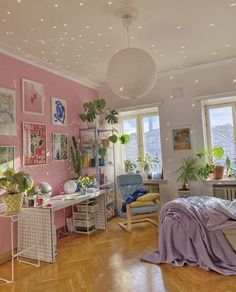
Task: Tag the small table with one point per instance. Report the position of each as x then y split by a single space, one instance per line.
17 218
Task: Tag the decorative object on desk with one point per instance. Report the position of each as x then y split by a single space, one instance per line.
77 157
34 143
129 166
60 146
7 112
43 189
215 164
146 161
85 182
15 184
33 97
189 171
181 139
70 187
6 158
59 111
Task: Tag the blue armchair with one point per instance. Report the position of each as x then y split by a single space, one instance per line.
143 208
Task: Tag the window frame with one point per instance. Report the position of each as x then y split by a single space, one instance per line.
207 120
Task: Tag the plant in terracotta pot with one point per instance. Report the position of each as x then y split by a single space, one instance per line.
16 184
188 171
214 164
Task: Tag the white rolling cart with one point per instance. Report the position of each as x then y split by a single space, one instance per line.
32 244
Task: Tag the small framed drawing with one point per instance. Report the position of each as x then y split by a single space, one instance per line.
7 111
34 143
6 157
59 111
60 146
182 138
32 97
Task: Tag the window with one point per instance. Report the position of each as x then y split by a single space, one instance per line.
144 130
221 123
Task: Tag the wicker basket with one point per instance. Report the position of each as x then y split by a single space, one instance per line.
13 203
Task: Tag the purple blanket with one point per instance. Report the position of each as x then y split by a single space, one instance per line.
191 233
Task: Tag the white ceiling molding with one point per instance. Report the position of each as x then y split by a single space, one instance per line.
231 95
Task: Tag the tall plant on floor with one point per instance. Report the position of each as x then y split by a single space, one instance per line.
77 157
189 171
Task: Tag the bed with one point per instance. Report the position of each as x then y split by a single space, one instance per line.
198 231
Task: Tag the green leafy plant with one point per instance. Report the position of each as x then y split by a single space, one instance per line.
214 157
146 161
16 182
96 107
129 166
86 181
189 171
77 157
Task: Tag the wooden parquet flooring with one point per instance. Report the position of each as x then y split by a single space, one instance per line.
108 261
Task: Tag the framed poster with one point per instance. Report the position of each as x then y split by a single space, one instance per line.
34 143
6 157
182 139
7 111
60 146
32 97
59 111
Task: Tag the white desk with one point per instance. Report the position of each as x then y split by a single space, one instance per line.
34 242
44 222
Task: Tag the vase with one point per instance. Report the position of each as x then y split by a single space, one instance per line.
83 191
13 203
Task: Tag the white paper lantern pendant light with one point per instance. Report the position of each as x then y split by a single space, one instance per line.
131 72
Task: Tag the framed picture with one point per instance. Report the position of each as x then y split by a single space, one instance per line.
60 146
6 157
7 111
59 112
32 97
34 143
182 138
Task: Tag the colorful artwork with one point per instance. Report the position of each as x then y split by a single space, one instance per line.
6 158
33 97
59 111
181 139
34 144
7 112
60 146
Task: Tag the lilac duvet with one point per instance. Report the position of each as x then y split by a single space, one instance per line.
191 233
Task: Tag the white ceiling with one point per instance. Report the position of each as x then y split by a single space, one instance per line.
77 38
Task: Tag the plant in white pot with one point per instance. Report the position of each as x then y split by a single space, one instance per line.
189 171
16 184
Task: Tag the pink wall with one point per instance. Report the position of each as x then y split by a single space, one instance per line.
54 172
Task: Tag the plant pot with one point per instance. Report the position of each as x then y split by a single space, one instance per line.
92 124
218 172
183 193
13 203
83 191
105 142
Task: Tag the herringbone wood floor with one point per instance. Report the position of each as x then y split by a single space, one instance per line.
109 261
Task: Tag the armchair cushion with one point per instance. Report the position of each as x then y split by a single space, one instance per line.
141 204
148 197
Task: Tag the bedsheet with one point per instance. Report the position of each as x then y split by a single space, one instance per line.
191 233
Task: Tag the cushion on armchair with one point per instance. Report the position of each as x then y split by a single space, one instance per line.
148 197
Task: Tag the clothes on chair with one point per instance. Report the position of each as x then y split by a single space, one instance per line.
133 197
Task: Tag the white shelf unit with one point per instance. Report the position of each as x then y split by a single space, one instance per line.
93 164
90 215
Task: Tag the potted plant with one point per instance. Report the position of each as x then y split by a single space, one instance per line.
189 171
15 184
85 182
94 109
146 161
214 164
129 166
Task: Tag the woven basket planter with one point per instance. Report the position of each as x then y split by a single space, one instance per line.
13 203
